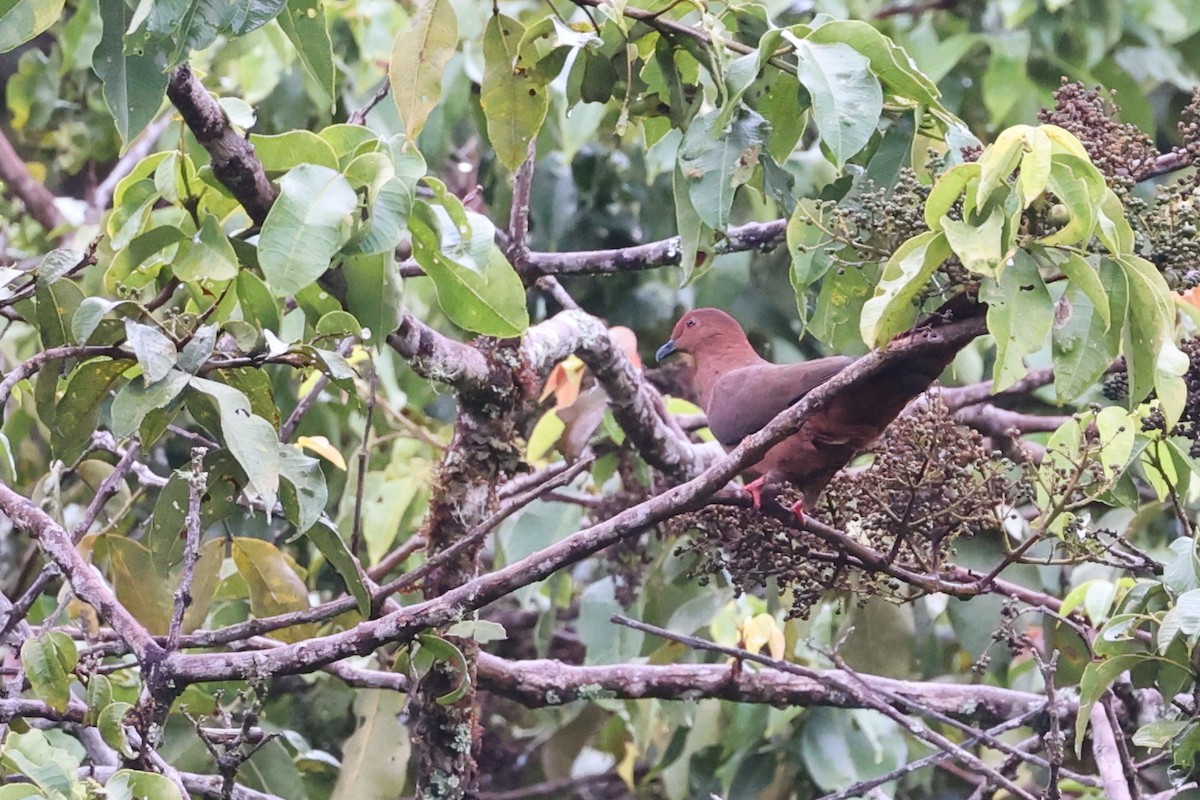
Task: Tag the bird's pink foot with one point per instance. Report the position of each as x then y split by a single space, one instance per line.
798 510
754 488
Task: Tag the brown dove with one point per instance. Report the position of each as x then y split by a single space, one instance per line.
741 392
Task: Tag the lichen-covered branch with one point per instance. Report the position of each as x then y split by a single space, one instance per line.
636 405
545 682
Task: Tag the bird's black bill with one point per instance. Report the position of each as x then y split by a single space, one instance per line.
665 350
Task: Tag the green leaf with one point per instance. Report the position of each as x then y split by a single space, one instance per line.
1020 315
715 162
165 534
199 348
334 548
481 630
435 649
388 205
251 14
138 264
1148 329
805 242
305 476
1083 275
257 304
250 438
141 786
1080 350
139 586
282 152
210 257
419 58
21 20
1097 677
1081 188
695 238
980 246
515 105
486 298
49 662
891 309
111 724
56 306
79 408
274 586
945 193
847 99
135 400
1113 230
889 62
999 160
31 754
302 231
89 314
56 264
156 353
374 293
305 25
377 754
134 83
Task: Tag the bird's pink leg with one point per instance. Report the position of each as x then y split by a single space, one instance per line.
754 489
798 510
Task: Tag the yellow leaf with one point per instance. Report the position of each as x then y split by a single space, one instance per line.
628 762
321 446
543 436
759 631
564 382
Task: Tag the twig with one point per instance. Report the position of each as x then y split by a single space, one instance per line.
197 483
359 116
518 217
861 787
364 450
309 400
396 558
550 285
111 484
34 363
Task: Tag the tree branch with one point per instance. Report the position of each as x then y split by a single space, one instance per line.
89 587
233 160
38 200
637 405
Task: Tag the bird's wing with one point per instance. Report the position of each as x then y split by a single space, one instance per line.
745 399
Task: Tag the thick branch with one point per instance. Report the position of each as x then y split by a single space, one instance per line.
545 682
233 160
38 200
637 406
438 357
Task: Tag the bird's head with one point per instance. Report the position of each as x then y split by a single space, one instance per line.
704 328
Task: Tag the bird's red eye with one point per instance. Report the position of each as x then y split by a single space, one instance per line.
691 323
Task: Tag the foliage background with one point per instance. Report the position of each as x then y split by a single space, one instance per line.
162 293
